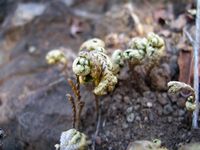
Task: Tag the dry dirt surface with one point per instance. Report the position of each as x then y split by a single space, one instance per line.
34 109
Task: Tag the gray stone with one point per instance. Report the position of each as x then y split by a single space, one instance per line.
25 13
130 117
163 99
167 109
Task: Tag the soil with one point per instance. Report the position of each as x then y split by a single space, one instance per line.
33 107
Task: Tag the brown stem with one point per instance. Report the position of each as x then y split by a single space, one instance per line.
96 105
71 99
80 108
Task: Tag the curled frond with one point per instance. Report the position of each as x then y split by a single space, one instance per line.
55 57
98 66
134 56
81 66
107 84
93 44
177 87
117 60
155 41
73 140
138 43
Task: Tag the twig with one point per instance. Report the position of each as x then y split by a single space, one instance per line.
188 35
97 130
71 99
80 108
96 105
75 89
78 103
196 67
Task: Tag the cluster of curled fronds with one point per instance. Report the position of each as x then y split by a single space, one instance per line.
93 64
175 87
149 49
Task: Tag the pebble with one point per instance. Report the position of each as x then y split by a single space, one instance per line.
173 97
181 113
124 125
136 107
149 104
163 99
118 97
170 119
159 110
129 109
130 117
138 118
146 119
127 99
181 102
167 109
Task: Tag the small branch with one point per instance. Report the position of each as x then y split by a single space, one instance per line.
78 103
96 105
97 130
188 35
75 89
71 99
196 67
80 108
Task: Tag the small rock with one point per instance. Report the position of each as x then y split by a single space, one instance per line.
167 109
129 110
124 125
24 14
170 119
181 113
151 117
163 99
173 97
138 118
130 117
149 104
118 97
136 107
126 99
159 110
146 119
181 102
181 119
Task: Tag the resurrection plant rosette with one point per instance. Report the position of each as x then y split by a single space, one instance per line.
175 87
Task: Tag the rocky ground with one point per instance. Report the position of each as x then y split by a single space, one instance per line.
33 107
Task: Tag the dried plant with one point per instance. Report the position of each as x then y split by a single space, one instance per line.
77 104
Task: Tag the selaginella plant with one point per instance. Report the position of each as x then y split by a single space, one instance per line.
146 51
146 145
56 56
175 87
71 139
94 65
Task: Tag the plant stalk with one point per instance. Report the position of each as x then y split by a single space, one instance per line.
196 67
